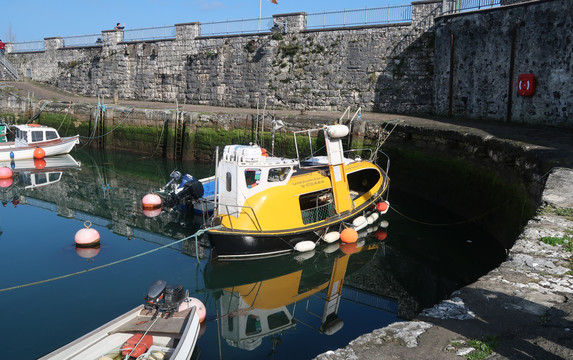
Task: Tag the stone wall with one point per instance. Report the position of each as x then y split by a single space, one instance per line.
386 67
479 56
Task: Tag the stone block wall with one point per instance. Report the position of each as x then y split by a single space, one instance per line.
479 57
381 68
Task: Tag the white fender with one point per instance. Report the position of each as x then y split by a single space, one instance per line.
384 224
337 131
331 237
372 218
359 223
304 246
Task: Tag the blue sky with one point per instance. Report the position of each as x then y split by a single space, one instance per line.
25 20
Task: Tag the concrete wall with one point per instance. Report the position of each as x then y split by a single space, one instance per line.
480 55
386 68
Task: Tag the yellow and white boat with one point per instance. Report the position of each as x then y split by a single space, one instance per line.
267 205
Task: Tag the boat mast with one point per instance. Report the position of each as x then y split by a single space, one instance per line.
333 136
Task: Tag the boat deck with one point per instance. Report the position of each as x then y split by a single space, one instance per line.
174 325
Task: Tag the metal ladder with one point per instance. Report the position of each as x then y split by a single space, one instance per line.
8 66
179 134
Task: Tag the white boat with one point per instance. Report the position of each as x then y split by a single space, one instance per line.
172 334
27 138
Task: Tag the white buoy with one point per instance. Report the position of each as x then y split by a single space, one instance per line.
372 218
359 223
331 237
304 246
384 224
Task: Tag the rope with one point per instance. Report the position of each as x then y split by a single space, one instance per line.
199 232
127 356
109 132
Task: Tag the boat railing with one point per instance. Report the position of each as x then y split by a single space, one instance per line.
318 213
231 210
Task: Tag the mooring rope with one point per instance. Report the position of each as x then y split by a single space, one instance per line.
196 235
89 138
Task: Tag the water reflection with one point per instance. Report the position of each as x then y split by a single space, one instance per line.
265 297
309 303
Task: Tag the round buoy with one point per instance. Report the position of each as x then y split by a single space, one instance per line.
331 237
381 234
383 206
5 173
151 201
384 223
6 182
39 153
151 213
88 253
87 237
39 164
348 248
200 308
349 235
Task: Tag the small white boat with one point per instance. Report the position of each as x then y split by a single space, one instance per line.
27 138
165 327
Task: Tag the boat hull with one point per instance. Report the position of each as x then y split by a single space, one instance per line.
51 148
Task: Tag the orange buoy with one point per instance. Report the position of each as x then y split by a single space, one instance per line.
87 237
6 182
349 235
383 206
200 308
5 173
39 164
151 201
348 248
264 152
39 153
381 234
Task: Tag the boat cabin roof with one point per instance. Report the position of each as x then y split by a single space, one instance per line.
34 133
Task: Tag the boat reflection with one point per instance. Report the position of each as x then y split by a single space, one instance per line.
259 298
33 173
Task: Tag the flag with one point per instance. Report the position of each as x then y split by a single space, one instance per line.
274 2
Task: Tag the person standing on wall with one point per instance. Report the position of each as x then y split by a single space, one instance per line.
2 47
118 26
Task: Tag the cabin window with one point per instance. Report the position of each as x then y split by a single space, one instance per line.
316 206
37 136
50 135
252 177
253 325
363 181
278 174
277 320
229 179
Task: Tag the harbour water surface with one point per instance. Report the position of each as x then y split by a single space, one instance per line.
52 293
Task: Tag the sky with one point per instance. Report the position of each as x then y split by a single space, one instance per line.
33 20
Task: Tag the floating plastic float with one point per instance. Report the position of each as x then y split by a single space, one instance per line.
383 207
331 237
5 173
87 237
151 201
39 153
349 235
200 307
304 246
359 223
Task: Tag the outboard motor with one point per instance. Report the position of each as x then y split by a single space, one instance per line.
155 294
174 296
189 189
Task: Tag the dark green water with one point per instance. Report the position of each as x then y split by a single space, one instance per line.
255 309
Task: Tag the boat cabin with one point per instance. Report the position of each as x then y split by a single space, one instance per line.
34 134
